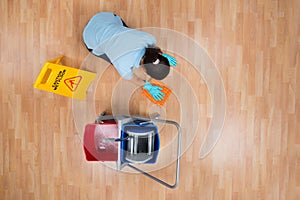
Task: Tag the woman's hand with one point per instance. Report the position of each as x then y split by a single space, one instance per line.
171 59
155 91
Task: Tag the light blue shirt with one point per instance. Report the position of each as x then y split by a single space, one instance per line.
125 47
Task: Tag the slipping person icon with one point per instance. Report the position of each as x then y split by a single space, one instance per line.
129 50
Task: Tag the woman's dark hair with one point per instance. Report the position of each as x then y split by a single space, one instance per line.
156 66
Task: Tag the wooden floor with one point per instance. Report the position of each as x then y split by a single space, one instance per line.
255 45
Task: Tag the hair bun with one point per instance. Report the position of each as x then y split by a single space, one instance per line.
156 62
152 54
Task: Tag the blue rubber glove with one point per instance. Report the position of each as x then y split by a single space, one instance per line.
171 59
155 91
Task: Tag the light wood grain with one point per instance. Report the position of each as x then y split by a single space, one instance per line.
256 47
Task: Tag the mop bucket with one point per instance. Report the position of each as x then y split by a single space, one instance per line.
64 80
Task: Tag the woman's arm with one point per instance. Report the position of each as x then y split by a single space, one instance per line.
137 80
155 91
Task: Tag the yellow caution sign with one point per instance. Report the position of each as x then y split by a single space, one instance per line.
64 80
